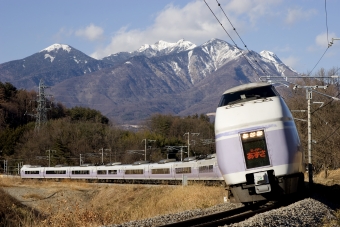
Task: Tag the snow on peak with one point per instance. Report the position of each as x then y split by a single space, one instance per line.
214 40
57 46
163 45
270 56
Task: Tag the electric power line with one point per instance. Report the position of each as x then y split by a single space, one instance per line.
232 39
326 20
239 36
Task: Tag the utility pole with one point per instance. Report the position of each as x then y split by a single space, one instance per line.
6 167
20 164
80 160
146 141
102 149
193 134
309 90
49 156
309 126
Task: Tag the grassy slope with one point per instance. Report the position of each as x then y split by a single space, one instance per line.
78 204
72 203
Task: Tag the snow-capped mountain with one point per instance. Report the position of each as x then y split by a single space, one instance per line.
270 57
163 48
54 64
154 50
178 78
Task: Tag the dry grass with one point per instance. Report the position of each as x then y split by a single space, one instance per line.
327 185
75 203
71 203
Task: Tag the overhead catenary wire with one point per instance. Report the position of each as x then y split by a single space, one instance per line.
327 40
232 39
239 36
326 20
334 130
326 138
246 45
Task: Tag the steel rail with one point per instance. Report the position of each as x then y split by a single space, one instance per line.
234 215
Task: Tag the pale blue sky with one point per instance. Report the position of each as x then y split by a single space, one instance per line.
295 30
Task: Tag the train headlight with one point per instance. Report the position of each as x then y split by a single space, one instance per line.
252 135
245 136
259 133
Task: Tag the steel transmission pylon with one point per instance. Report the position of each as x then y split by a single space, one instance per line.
41 110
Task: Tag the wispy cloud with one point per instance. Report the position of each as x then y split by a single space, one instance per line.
291 61
322 40
297 14
91 32
61 34
254 9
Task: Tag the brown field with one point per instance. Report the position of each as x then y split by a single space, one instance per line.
70 203
73 203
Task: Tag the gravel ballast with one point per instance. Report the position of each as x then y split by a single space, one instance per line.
307 212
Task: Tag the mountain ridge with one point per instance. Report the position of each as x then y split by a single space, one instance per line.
172 78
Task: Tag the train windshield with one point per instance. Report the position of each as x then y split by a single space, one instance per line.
247 95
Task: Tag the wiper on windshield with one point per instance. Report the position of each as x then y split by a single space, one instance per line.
245 98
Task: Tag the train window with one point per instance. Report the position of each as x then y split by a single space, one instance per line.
183 170
255 149
55 171
160 171
80 172
32 172
206 169
134 171
112 171
247 95
101 172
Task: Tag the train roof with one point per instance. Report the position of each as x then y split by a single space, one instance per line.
31 166
246 87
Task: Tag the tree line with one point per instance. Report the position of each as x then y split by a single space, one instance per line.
82 135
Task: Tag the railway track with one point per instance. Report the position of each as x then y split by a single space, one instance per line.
232 216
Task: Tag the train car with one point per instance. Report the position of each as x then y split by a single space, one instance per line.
32 171
139 171
186 168
208 169
111 172
57 172
163 170
257 144
86 172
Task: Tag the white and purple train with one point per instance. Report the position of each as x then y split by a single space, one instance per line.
257 144
165 171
